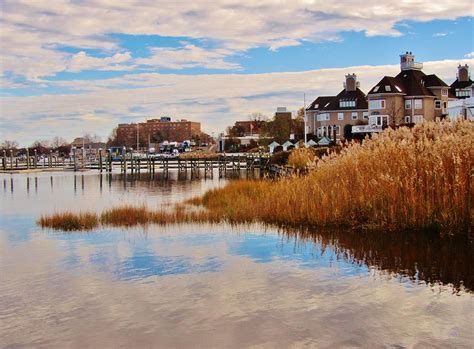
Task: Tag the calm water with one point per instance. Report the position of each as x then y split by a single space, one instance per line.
207 286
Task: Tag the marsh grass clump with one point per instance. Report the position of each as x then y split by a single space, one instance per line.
302 158
126 215
69 221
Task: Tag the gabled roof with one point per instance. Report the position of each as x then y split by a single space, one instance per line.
320 102
433 81
358 96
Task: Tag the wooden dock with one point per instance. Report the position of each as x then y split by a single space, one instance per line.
127 163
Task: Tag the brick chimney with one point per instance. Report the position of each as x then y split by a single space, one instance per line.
463 72
351 83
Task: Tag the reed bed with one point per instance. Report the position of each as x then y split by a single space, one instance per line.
69 221
418 178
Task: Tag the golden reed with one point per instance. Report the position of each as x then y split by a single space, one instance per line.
418 178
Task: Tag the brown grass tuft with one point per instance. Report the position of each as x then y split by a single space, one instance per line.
69 221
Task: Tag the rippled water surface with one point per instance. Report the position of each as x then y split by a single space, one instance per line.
204 286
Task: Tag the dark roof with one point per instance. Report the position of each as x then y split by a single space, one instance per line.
320 102
410 83
459 85
358 96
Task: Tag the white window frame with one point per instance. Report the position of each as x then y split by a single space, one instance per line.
418 104
438 104
354 115
340 116
377 104
408 103
323 117
365 115
378 120
417 119
338 130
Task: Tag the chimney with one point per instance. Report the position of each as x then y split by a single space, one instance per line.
463 72
351 83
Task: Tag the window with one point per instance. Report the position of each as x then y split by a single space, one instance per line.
444 92
463 93
407 119
319 132
417 119
398 88
365 115
437 104
323 117
346 104
354 115
418 104
316 106
377 104
338 130
379 120
407 103
340 116
376 88
387 88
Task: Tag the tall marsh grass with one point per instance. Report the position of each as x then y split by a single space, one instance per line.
418 178
406 178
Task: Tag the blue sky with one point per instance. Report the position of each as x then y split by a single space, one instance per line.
76 67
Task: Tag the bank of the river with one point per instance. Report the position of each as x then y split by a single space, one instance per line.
403 179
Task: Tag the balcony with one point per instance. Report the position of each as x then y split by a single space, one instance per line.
366 129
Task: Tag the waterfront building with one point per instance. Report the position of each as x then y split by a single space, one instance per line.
461 88
328 115
410 97
157 131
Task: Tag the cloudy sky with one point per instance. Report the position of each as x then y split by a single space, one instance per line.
74 66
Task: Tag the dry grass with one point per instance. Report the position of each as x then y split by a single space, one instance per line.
418 178
406 178
302 158
69 221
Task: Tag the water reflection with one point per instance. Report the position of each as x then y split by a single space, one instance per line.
217 285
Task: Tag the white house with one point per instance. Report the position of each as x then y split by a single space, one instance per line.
289 144
272 146
311 143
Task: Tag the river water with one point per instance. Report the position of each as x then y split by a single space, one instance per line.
216 286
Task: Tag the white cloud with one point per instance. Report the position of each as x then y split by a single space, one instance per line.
216 100
469 55
33 30
188 56
438 35
81 61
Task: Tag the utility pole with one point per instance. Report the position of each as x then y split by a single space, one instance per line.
305 131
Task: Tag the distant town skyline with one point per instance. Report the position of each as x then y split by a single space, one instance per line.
69 68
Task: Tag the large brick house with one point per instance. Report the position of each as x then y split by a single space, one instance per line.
329 114
410 97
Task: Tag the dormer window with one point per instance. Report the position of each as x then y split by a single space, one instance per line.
346 104
376 88
316 106
398 88
387 88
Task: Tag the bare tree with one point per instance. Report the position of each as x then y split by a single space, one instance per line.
9 145
395 114
57 142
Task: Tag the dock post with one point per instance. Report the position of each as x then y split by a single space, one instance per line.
11 159
124 160
4 159
109 156
28 158
35 162
100 160
50 159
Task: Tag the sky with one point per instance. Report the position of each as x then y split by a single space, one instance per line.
70 67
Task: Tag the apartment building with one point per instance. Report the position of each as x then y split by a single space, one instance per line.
156 131
329 114
410 97
461 88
